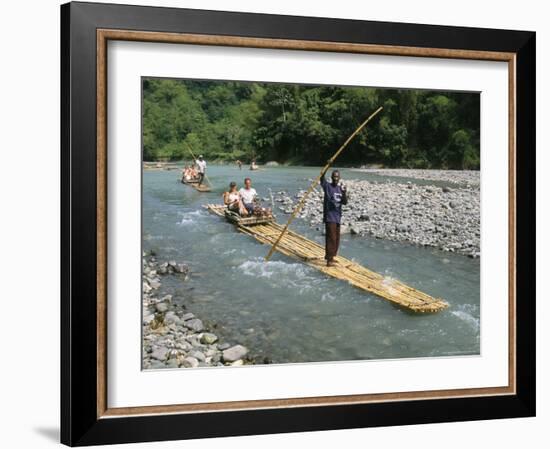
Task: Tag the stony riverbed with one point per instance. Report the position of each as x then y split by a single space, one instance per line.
174 337
462 177
447 218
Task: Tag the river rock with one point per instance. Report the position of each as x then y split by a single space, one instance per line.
182 268
172 363
171 317
194 324
402 227
187 316
161 307
223 346
208 338
198 355
160 353
234 353
190 362
148 318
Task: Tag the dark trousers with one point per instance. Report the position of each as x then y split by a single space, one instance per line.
332 240
201 177
249 207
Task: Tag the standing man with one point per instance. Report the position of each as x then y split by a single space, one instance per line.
334 197
248 195
201 163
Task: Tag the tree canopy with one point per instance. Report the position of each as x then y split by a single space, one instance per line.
305 124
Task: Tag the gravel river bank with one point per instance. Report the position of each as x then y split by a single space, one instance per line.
173 337
447 218
462 177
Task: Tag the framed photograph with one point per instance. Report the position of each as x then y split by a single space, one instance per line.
282 224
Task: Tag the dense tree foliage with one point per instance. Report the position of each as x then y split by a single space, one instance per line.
306 124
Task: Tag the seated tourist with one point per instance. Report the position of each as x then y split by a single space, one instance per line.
187 173
251 202
248 195
232 199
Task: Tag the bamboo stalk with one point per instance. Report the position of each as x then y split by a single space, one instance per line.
314 184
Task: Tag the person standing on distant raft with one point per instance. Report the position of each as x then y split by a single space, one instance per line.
201 163
335 196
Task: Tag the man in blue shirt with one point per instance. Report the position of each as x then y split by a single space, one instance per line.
334 197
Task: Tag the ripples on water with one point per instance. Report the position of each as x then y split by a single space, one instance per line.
291 312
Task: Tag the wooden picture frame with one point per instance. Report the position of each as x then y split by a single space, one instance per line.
86 29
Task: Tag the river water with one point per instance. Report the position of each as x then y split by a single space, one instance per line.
287 311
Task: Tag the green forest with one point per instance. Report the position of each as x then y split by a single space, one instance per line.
305 124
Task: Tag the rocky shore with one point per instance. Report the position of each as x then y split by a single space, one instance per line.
447 218
465 177
174 337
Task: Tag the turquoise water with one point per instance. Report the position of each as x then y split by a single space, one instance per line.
287 311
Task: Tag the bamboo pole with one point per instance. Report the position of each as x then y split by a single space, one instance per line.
194 160
300 204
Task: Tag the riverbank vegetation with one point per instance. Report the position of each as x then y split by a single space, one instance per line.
303 124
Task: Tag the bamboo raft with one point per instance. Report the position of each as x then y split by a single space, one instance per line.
299 247
196 186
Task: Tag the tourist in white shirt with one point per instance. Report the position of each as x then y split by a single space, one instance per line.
201 163
248 195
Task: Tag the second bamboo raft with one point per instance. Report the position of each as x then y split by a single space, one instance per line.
197 187
299 247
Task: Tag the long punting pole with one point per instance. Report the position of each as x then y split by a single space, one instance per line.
194 159
299 206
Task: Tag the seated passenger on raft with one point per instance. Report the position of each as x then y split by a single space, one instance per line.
232 199
251 202
248 195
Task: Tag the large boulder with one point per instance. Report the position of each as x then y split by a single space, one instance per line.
234 353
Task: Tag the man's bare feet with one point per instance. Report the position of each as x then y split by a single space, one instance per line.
331 263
